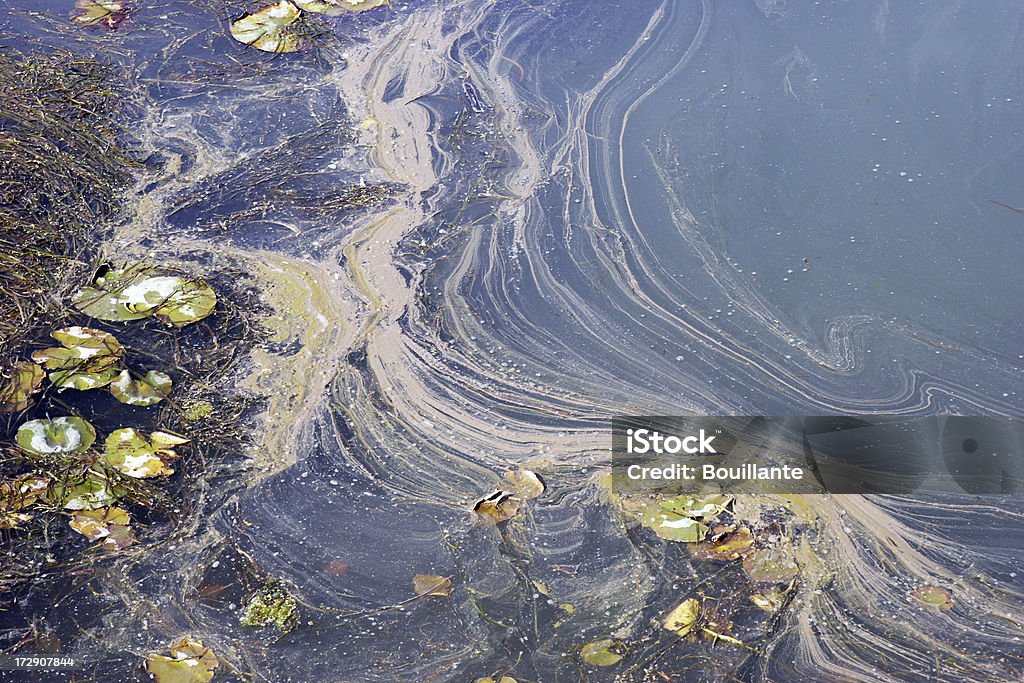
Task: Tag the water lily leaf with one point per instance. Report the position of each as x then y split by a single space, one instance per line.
26 380
136 292
82 381
190 662
490 679
19 493
86 359
108 13
497 507
934 596
728 545
90 344
128 451
335 7
110 524
673 527
429 584
146 391
90 492
601 652
525 484
59 436
770 565
683 618
192 301
12 520
268 29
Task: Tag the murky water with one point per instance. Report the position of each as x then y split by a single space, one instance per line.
595 208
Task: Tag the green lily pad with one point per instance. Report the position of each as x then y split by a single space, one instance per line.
128 451
89 492
601 652
112 525
146 391
136 292
335 7
429 584
86 359
26 380
683 618
682 518
189 662
271 605
59 436
934 596
268 29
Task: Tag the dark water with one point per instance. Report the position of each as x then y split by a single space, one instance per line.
598 208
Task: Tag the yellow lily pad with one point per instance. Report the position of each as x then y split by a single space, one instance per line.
86 359
267 29
112 525
429 584
128 451
25 381
683 618
189 662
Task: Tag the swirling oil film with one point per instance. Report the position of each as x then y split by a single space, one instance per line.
511 341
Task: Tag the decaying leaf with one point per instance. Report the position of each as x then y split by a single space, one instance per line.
491 679
271 605
268 29
112 524
603 652
770 600
86 359
496 507
429 584
59 436
128 451
107 13
933 596
189 662
525 484
771 565
683 618
682 518
25 381
136 292
145 391
729 544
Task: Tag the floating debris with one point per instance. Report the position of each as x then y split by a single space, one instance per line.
110 14
497 507
132 454
18 494
726 543
59 436
135 292
770 601
268 29
25 382
503 679
602 652
429 584
145 391
112 525
683 618
271 605
934 596
190 662
87 358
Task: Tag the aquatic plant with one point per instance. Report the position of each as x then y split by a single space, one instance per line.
189 662
25 381
271 605
137 291
111 14
268 29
